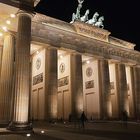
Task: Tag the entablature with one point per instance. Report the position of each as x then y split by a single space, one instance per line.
83 29
69 39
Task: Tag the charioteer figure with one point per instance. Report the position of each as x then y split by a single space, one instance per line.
76 16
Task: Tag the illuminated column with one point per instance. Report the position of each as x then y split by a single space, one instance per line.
130 91
22 72
137 90
122 88
1 49
76 85
105 89
6 78
51 84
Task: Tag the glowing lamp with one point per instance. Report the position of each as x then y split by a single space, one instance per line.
28 135
8 22
5 28
12 15
1 34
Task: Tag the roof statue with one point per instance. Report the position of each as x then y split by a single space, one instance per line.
85 17
76 16
95 21
99 23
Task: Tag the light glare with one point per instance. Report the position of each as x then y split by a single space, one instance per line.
1 34
4 28
28 135
42 131
12 15
61 56
8 22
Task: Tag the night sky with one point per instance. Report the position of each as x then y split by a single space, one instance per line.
122 17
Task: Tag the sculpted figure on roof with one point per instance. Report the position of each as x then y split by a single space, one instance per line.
95 21
76 16
85 17
99 23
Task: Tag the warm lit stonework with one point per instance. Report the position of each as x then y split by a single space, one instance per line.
50 69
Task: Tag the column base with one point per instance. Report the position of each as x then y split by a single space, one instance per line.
20 127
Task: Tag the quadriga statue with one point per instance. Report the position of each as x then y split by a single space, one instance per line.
76 16
85 17
99 23
94 19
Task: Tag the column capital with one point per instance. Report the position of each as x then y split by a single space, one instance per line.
136 66
26 13
103 58
9 33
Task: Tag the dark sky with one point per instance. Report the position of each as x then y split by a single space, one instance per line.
122 17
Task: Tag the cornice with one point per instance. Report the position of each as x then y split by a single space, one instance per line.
121 43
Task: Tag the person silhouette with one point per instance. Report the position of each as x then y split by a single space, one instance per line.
83 118
124 118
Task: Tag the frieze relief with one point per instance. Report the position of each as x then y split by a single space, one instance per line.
91 31
123 54
38 79
89 84
63 81
110 52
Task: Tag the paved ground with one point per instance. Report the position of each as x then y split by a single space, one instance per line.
70 131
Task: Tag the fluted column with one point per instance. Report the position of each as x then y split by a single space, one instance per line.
137 90
6 78
1 50
22 72
76 85
105 88
131 92
50 84
122 89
